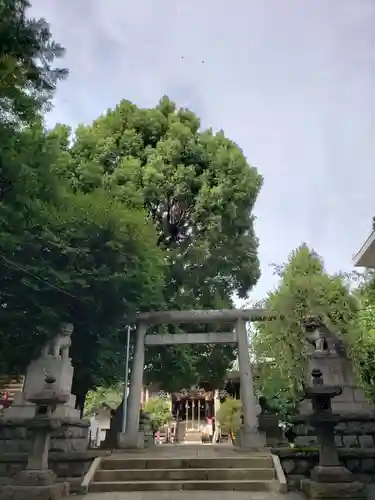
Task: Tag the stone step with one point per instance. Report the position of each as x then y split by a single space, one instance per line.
193 437
244 485
12 386
109 476
251 462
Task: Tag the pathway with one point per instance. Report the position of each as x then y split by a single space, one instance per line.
191 495
222 450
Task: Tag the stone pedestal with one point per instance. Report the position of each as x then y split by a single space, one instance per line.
20 408
127 440
111 440
333 491
68 410
70 467
71 436
39 484
23 409
337 371
333 483
146 429
338 486
269 425
61 371
250 439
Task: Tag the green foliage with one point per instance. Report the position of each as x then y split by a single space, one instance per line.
198 191
366 354
304 288
110 397
28 188
27 52
159 412
141 210
229 416
86 259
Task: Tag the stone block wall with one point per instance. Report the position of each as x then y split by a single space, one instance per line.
297 463
353 431
72 435
69 467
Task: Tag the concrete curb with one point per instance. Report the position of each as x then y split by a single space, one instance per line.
89 476
283 485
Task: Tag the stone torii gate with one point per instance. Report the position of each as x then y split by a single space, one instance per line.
249 436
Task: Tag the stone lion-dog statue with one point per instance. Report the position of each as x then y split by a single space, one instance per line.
58 347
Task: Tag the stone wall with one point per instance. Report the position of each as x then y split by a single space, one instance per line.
355 430
69 467
72 435
297 463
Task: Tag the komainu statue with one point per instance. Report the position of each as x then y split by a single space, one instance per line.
58 346
320 334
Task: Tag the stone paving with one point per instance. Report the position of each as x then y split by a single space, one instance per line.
223 450
191 495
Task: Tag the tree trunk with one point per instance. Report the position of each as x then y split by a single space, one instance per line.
232 437
81 393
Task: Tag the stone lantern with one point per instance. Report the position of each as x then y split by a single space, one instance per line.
37 480
329 479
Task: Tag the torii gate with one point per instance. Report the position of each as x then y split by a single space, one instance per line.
250 436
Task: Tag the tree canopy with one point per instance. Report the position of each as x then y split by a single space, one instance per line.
27 54
229 416
198 191
304 288
159 412
139 210
66 254
77 256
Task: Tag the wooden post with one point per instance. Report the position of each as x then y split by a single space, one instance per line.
199 413
192 413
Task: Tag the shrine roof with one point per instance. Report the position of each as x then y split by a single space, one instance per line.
365 257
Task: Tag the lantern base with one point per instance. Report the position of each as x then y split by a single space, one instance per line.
38 484
315 490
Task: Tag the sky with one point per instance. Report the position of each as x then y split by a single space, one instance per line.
291 82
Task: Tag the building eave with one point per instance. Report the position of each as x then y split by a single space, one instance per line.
365 257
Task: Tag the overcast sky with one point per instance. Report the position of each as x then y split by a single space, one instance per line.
291 81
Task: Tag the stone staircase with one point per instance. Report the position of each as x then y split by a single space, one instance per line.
187 435
193 436
12 386
252 473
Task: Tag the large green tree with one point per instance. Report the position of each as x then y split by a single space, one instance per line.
27 185
82 257
28 76
304 288
199 192
75 256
